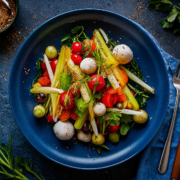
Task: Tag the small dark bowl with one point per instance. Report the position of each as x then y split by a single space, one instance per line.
10 25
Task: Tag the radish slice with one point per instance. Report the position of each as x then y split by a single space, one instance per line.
104 35
123 111
48 66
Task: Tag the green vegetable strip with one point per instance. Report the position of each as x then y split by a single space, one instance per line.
80 121
105 49
65 81
56 81
46 90
137 80
131 98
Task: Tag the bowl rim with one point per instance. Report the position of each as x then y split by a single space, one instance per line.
156 44
15 17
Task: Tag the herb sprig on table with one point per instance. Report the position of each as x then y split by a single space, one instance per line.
12 168
173 19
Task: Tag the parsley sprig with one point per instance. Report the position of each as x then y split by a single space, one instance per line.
173 19
17 166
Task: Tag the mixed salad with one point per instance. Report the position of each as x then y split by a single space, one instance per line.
87 89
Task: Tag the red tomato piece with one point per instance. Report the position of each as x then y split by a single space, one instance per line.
76 59
122 97
50 118
76 47
45 74
53 65
67 100
105 89
97 81
115 98
107 100
112 129
73 92
43 66
44 81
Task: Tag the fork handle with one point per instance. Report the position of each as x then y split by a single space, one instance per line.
163 165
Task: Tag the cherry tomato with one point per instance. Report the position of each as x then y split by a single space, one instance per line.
89 45
50 118
67 100
44 81
53 65
76 59
76 47
97 81
114 128
107 100
73 91
43 66
45 74
114 98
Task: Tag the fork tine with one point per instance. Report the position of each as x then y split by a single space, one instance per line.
176 72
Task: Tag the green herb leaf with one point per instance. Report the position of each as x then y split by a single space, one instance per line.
111 123
172 16
4 148
65 81
126 118
76 29
124 129
96 96
114 116
65 37
21 161
104 146
107 82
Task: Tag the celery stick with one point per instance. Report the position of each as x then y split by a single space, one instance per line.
80 121
131 98
137 80
46 90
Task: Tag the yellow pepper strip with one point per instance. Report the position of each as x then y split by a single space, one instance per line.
131 98
105 49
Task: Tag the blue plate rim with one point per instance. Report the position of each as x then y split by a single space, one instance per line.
139 27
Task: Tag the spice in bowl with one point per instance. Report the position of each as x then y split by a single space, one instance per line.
6 15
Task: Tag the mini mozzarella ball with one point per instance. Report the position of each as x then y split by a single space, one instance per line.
123 54
64 130
88 66
99 109
83 137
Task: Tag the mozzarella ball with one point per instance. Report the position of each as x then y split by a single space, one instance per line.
99 109
123 54
64 130
83 137
88 66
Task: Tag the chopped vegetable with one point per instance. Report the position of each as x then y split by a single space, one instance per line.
65 81
46 90
65 115
123 111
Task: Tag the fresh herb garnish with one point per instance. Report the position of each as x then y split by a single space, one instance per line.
124 129
134 68
17 167
140 95
39 69
173 19
68 40
99 148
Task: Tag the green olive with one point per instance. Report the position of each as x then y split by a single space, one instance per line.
39 111
51 52
113 137
98 140
142 118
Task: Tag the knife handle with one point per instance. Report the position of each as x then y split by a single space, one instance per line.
176 166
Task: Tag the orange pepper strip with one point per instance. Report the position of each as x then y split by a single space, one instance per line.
65 115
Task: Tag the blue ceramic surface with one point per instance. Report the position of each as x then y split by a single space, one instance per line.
41 135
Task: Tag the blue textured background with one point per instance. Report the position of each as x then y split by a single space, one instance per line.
33 13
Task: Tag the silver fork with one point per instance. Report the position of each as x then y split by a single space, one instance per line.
163 165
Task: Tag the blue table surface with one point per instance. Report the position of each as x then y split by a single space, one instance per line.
33 13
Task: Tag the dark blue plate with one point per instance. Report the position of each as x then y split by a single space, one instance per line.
41 135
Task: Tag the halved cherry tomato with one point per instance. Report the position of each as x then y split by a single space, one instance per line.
45 74
76 47
53 65
97 81
44 81
107 100
76 58
43 66
115 98
114 128
50 118
67 100
122 97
